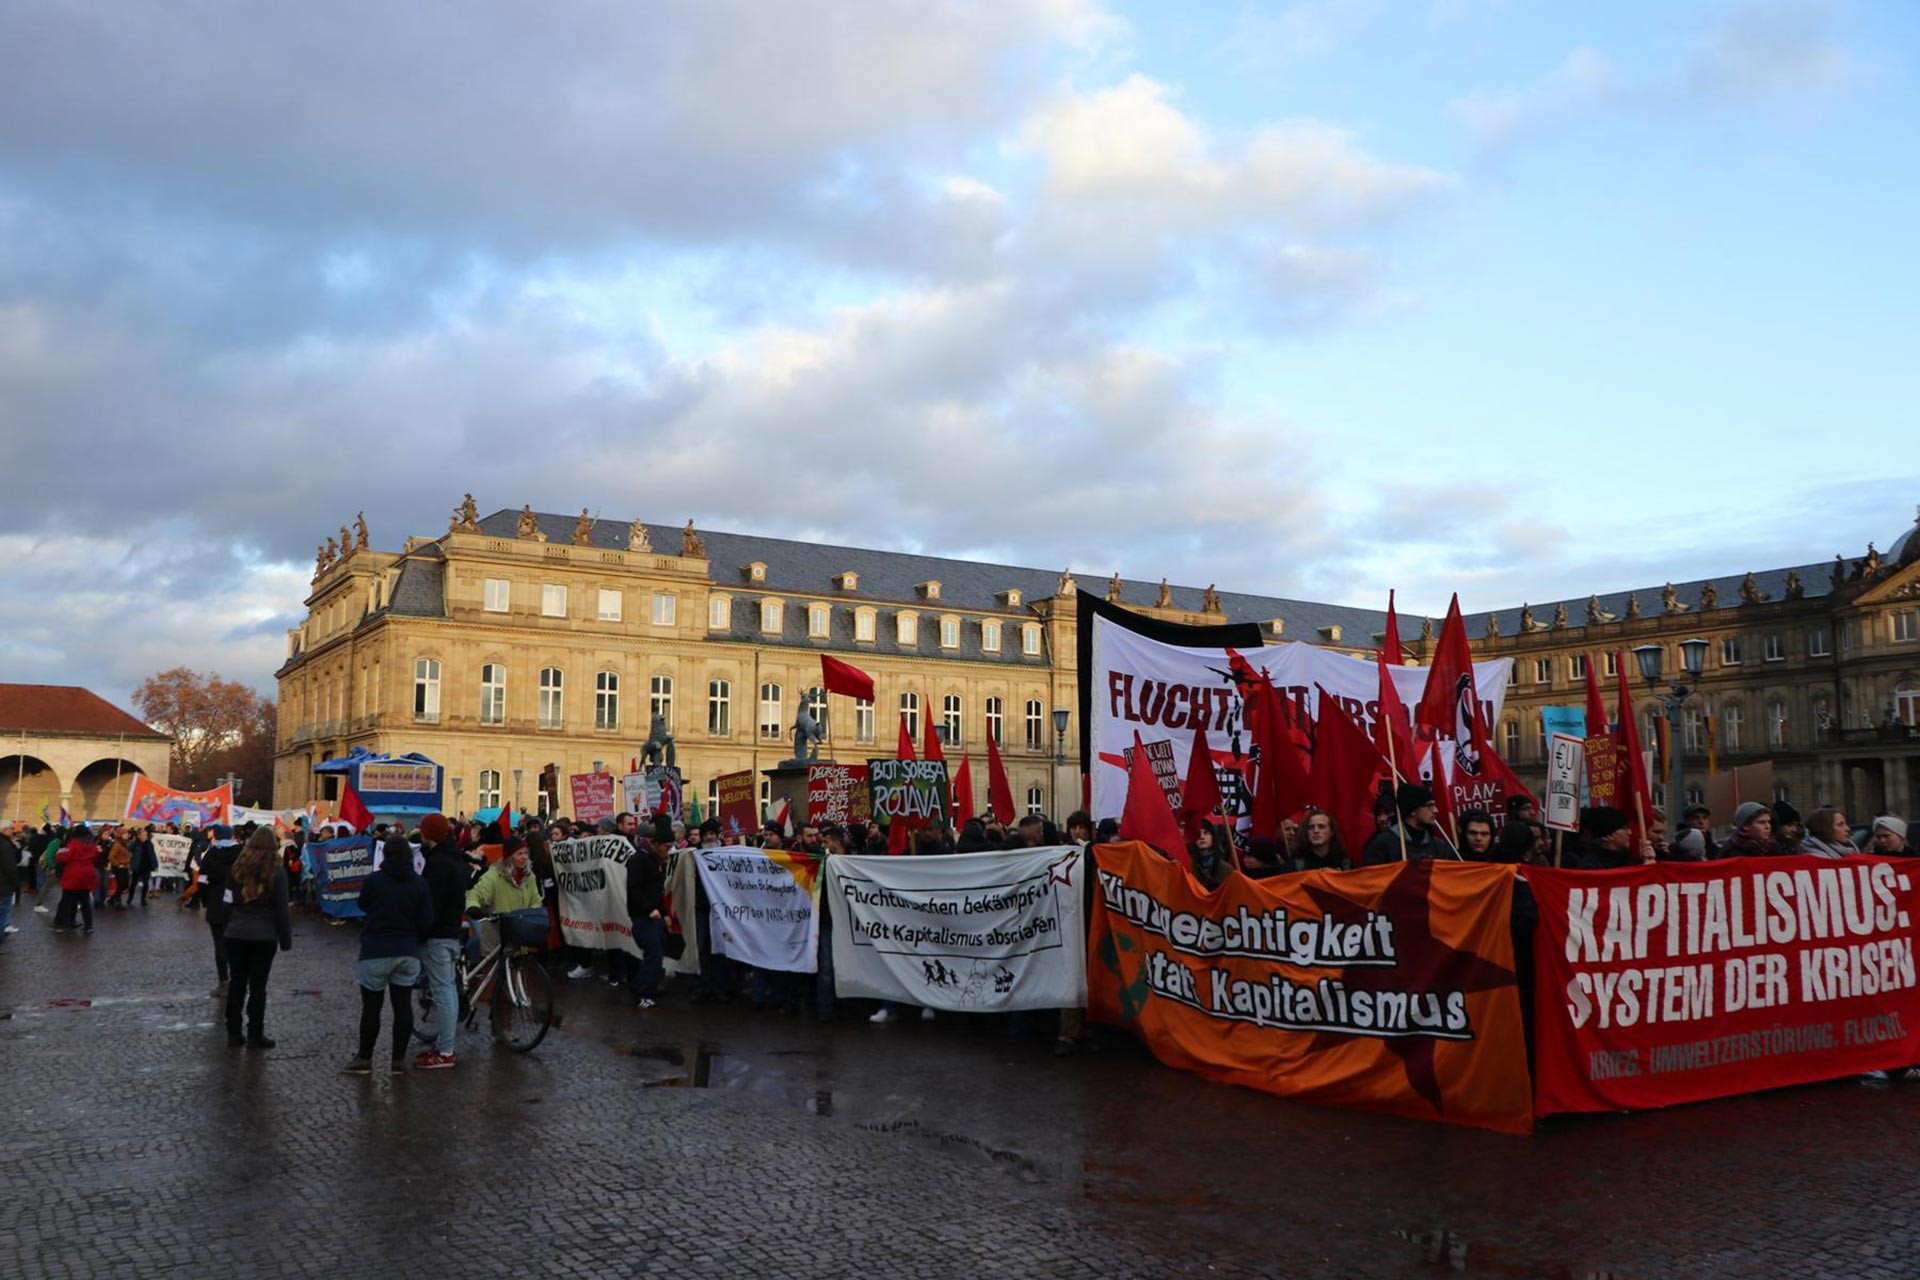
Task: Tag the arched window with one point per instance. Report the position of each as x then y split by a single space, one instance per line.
493 694
770 717
426 689
815 701
606 700
720 708
950 718
995 718
1036 801
1036 730
910 713
550 690
660 700
1693 734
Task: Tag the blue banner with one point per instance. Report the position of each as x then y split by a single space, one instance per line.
340 867
1571 721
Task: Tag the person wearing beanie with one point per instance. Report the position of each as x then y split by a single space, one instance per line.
1420 820
1604 841
398 914
1889 837
1690 847
447 874
1752 833
1788 830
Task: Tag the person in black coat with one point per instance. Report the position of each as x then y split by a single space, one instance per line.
399 914
646 894
1605 841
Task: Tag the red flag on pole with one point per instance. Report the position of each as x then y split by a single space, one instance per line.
1280 783
905 750
1147 815
999 790
1392 735
1633 765
1200 794
1449 681
1596 709
843 677
1390 644
962 794
898 835
1346 771
352 811
930 740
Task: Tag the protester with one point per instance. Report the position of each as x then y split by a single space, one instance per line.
145 863
1889 837
1752 833
1690 847
1419 818
1317 846
399 916
1206 854
1517 843
256 896
446 880
1476 835
120 868
1605 841
1700 818
1261 858
646 890
1828 835
215 866
79 863
9 884
833 844
509 885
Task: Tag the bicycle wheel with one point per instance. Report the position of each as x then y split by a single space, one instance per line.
426 1014
522 1004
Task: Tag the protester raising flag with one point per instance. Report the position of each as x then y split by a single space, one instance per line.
1200 794
1346 771
845 678
999 790
1446 705
352 811
1148 817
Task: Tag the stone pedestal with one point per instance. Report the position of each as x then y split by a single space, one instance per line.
788 781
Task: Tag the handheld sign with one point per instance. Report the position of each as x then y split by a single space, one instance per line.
1566 759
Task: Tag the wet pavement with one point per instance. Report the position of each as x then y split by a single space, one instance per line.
692 1140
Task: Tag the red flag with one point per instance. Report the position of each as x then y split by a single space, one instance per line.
1346 772
1147 815
1390 645
898 834
962 793
930 740
905 751
1280 783
999 790
1596 709
1449 682
1633 765
352 811
1492 766
844 677
1392 735
1200 794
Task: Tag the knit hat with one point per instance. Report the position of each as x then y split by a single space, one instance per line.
1891 823
1783 813
434 828
1692 844
1409 796
1747 813
1601 821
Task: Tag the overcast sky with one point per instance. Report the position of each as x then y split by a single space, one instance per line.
1524 300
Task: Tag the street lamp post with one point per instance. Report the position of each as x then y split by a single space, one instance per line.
516 791
1059 755
1693 655
458 783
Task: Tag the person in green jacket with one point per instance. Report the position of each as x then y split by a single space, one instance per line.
508 885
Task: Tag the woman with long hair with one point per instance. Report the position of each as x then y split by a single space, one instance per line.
1317 845
255 895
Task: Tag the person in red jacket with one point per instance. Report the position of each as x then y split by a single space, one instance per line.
79 863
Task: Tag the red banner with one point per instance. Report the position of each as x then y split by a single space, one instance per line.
1390 988
837 793
737 809
592 796
1681 981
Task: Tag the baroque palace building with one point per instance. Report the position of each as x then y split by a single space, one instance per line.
520 641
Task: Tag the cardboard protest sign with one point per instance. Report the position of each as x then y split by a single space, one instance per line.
1678 981
737 809
968 932
592 796
1566 772
916 791
837 793
1604 785
1390 988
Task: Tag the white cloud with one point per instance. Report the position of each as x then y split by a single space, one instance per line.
1771 50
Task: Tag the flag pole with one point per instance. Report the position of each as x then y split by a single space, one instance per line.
1556 846
1393 765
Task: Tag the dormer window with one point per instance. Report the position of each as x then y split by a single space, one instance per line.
1331 633
906 629
756 572
1010 598
848 581
1277 626
929 590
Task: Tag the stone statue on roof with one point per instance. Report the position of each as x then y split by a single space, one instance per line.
637 539
1595 613
1796 589
1839 577
1210 603
1870 567
1113 588
346 542
1750 592
1165 599
583 530
329 555
691 545
320 560
1633 606
1670 601
1426 628
1709 595
1067 586
360 532
467 517
1560 617
528 526
1493 626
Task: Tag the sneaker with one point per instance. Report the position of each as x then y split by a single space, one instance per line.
43 910
884 1015
613 982
260 1042
1874 1079
643 1003
13 928
433 1060
579 971
358 1067
926 1015
397 1067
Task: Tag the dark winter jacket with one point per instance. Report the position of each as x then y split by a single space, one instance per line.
1581 854
1384 846
646 883
266 918
216 865
399 909
446 882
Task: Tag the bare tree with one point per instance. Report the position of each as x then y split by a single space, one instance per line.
208 717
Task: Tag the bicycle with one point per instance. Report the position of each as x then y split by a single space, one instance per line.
507 978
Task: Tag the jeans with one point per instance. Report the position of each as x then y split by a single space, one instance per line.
252 962
394 975
6 915
439 956
645 971
399 971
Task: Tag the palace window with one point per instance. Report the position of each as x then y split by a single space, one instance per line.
666 609
610 606
1732 726
1903 627
426 689
863 624
489 797
1612 667
1817 642
1730 651
995 717
1030 640
1776 723
1036 801
910 714
1776 647
719 613
1906 704
493 693
1578 666
770 716
950 717
906 629
990 636
1510 735
1543 670
606 700
772 617
495 594
862 720
551 681
720 708
553 600
660 699
819 621
949 633
815 701
1036 731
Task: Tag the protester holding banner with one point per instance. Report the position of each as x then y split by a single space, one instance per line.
1828 835
1318 846
256 895
1890 837
1605 841
1752 833
1476 836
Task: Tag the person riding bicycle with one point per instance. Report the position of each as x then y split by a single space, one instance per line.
509 885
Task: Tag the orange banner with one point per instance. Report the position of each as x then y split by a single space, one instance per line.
148 801
1390 988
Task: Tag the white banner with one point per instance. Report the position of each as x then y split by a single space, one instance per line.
1566 771
762 906
968 932
172 852
592 878
242 814
1163 692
